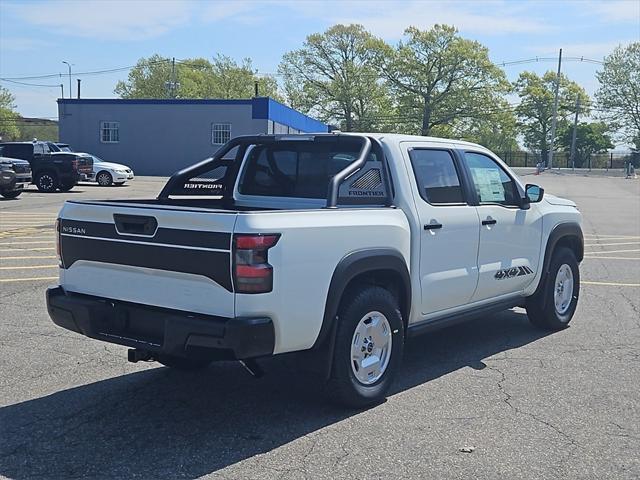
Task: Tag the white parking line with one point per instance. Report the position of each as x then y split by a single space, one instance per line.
27 258
612 284
36 249
28 267
612 258
612 244
610 236
612 251
29 243
32 279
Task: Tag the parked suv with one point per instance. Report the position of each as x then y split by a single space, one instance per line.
15 176
50 170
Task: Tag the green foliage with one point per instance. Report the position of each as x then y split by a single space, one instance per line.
196 78
40 129
330 77
440 80
497 129
8 117
619 91
535 111
590 138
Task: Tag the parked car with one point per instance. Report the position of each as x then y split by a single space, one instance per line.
15 176
287 249
51 170
107 173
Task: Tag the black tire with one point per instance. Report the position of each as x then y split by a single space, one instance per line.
104 178
11 194
66 186
344 387
541 308
46 182
184 364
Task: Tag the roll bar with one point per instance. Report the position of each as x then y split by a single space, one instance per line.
243 142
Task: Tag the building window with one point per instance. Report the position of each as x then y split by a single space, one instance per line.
109 132
220 133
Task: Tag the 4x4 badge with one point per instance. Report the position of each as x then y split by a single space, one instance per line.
512 272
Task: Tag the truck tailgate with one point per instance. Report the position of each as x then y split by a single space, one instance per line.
172 258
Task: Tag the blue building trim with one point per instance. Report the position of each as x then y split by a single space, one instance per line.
268 108
264 108
155 101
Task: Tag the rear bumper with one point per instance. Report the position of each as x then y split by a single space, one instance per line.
161 330
15 182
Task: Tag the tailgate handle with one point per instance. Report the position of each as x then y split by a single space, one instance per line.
135 224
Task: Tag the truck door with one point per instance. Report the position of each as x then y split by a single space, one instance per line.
510 237
449 230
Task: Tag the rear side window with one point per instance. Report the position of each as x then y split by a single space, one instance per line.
492 183
300 169
437 177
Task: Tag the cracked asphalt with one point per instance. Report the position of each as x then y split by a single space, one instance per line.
529 403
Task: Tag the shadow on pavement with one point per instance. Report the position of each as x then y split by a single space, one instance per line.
159 423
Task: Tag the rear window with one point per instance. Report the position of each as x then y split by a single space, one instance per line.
297 169
17 150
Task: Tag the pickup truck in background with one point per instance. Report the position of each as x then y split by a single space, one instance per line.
335 247
51 171
15 176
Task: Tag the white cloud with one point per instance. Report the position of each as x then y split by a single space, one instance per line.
591 50
115 20
390 19
23 44
618 11
221 10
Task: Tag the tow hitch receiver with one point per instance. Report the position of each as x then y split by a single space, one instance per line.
135 355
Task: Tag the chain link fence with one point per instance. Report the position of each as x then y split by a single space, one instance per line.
607 161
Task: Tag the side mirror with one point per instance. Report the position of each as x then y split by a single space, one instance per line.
533 193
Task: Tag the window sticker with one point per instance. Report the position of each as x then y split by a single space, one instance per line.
489 185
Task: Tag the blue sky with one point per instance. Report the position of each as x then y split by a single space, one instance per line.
36 36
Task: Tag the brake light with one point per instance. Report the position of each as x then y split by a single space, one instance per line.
252 272
74 163
58 243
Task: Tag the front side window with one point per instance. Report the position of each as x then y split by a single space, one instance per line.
438 181
109 132
492 183
220 133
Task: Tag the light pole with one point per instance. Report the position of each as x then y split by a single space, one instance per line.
68 65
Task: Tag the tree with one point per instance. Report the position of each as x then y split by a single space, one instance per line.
496 129
619 92
590 138
330 77
439 77
535 111
40 128
8 117
195 78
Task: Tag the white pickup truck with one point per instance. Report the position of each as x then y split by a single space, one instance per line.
334 246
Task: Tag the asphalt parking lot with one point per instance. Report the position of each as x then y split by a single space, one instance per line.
531 404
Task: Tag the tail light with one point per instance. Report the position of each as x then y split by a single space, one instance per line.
252 272
58 245
74 163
